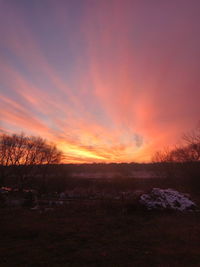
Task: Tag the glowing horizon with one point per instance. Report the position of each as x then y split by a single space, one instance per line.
106 81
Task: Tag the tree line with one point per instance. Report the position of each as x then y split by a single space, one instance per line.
26 159
23 156
181 164
188 151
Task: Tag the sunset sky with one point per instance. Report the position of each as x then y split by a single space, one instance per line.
105 80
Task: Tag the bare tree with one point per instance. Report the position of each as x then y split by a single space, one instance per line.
182 160
22 155
189 151
192 141
162 156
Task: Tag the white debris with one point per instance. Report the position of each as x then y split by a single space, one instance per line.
160 199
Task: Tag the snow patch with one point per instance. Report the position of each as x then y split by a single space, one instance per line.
159 199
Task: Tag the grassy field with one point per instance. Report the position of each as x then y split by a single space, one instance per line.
98 233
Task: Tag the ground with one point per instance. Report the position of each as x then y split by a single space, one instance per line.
98 233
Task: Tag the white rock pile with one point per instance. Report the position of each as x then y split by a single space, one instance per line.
167 199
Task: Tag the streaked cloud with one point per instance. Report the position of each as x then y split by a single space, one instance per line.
107 81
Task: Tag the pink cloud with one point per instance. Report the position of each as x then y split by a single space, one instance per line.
136 77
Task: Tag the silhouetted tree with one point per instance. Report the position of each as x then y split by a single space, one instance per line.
21 155
189 151
183 160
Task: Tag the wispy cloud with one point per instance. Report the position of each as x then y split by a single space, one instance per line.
106 81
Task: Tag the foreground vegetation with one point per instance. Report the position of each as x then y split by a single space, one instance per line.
93 233
101 232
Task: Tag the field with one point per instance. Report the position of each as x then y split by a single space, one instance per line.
98 233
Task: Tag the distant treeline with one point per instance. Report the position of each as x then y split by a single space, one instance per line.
126 169
31 162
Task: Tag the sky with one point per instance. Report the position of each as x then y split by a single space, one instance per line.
105 80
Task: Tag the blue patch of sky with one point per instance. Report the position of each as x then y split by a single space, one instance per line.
59 39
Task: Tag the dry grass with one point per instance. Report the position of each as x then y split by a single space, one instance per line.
98 233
